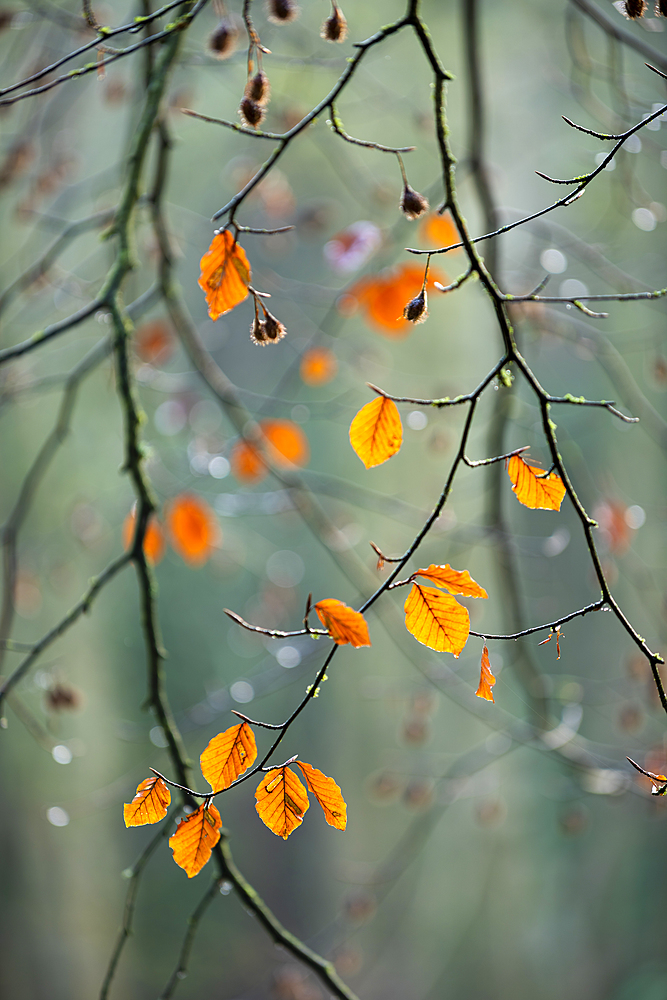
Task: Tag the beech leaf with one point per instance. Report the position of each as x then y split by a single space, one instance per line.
150 803
327 793
486 678
195 838
344 624
281 802
533 487
225 274
228 755
436 619
376 433
454 580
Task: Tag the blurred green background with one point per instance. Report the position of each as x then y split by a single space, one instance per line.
480 861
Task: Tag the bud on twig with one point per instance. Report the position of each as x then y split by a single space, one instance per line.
282 11
416 311
334 28
222 40
413 204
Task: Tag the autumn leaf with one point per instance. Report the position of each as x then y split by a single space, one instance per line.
382 297
286 445
149 805
225 274
154 543
343 624
193 528
453 580
486 678
533 487
281 801
376 433
318 366
228 755
436 619
195 838
439 230
327 793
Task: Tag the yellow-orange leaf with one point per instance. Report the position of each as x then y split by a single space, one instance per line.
228 755
383 296
454 580
154 543
343 623
281 801
225 274
193 528
286 445
533 487
486 678
318 366
195 838
149 805
327 793
439 230
376 433
436 619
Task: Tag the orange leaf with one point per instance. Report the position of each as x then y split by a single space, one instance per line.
154 341
286 445
149 805
327 793
383 296
318 366
228 755
436 619
454 580
533 487
195 838
439 230
225 274
342 623
281 801
154 543
486 678
246 463
193 528
376 433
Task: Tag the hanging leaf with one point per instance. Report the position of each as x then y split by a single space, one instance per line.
149 805
281 801
154 543
486 678
453 580
318 366
228 755
376 433
436 619
225 274
193 528
327 793
195 838
533 487
343 624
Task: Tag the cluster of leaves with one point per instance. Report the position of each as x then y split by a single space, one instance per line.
190 525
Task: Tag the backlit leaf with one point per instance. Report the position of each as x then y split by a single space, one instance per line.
327 793
149 805
281 801
318 366
343 624
382 297
154 543
193 528
195 838
486 678
533 487
376 433
436 619
225 274
246 462
453 580
285 443
439 230
228 755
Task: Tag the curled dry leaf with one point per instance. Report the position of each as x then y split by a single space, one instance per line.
486 678
436 619
376 433
453 580
228 755
327 793
225 274
195 838
286 445
149 805
154 543
343 624
193 528
533 487
281 801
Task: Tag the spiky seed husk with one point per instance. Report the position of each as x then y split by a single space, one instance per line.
661 8
413 204
635 8
258 88
417 309
334 28
222 40
251 112
282 11
273 328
